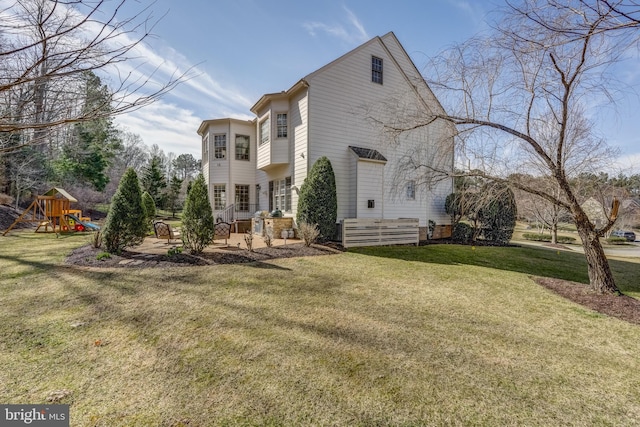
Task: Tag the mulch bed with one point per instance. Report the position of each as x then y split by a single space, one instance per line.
622 306
88 256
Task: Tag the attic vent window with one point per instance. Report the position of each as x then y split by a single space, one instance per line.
376 69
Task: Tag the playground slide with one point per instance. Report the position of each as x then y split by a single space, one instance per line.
87 225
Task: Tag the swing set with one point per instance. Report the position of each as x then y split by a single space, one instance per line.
53 214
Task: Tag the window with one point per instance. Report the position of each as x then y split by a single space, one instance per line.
220 146
376 69
281 121
411 190
280 194
205 148
242 198
219 197
242 147
264 131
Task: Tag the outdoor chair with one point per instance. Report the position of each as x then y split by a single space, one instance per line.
164 231
222 230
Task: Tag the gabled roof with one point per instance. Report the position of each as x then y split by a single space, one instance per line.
368 154
62 192
406 66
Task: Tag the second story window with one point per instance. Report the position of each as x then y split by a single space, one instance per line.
205 148
220 146
376 69
242 147
265 128
411 190
282 125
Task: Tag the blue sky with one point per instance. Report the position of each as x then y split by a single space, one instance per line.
242 49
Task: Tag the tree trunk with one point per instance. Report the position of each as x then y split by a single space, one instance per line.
554 233
600 276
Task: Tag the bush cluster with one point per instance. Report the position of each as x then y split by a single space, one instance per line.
126 221
547 238
197 218
318 201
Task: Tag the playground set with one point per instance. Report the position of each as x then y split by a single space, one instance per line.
52 211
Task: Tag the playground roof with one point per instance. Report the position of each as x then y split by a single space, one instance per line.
62 192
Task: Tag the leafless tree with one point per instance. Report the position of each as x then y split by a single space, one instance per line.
47 45
519 99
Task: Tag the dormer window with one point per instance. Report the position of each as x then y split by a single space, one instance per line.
376 69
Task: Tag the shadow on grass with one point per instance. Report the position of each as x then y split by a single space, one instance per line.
529 260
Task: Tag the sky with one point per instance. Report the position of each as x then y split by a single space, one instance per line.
237 50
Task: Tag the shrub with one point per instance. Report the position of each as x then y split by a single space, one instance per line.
197 218
497 215
125 224
149 209
318 203
174 250
5 199
103 255
462 233
547 238
96 239
248 239
268 236
617 240
308 232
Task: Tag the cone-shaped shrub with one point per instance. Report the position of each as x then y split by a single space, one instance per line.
318 202
126 221
149 209
197 218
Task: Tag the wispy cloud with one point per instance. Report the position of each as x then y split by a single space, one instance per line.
352 31
172 121
473 9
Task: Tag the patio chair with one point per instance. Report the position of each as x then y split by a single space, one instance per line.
222 230
164 231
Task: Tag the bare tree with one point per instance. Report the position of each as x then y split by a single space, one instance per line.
519 100
47 45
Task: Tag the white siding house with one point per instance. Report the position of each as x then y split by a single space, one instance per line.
325 114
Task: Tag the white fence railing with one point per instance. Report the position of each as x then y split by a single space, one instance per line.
379 232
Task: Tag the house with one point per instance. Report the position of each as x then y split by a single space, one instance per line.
335 111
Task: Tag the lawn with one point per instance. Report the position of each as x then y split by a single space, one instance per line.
435 335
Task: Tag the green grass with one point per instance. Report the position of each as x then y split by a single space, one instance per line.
529 260
436 335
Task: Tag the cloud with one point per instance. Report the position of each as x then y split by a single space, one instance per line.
171 127
355 32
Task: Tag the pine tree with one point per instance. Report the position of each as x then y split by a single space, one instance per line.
149 209
318 203
197 218
125 224
173 194
153 180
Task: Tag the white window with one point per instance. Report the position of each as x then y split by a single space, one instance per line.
242 147
376 69
280 194
205 148
411 190
264 131
281 122
242 198
220 146
219 197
